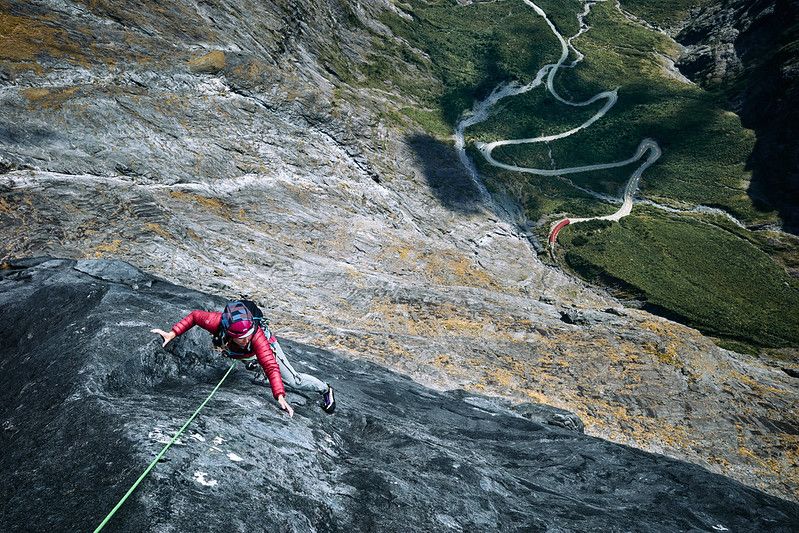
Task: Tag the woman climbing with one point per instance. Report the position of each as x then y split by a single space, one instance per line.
241 332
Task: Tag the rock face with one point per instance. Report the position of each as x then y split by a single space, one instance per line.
751 50
230 147
89 397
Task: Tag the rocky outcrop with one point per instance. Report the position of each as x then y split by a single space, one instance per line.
89 397
240 154
749 50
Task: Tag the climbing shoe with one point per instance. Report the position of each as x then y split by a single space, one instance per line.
328 401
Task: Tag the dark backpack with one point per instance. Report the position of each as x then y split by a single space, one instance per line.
257 315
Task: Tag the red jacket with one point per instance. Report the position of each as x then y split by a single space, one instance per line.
259 345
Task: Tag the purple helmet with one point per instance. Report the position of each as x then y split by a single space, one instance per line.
237 320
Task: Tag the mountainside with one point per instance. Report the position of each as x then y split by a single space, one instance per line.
750 50
89 397
303 153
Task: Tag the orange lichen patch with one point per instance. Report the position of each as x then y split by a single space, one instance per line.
442 361
451 269
757 388
790 445
501 377
440 267
210 63
107 248
355 275
515 366
676 437
665 353
252 70
570 344
6 207
211 204
618 423
751 456
151 13
770 466
380 349
22 67
723 462
670 350
158 229
538 397
443 319
169 103
24 39
404 253
397 349
457 325
191 234
658 327
669 356
48 97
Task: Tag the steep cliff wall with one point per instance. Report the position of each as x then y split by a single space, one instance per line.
239 146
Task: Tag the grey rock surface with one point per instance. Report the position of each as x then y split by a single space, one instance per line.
232 153
88 397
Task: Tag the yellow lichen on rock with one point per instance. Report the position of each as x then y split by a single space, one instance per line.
758 389
107 248
210 63
6 207
23 39
446 268
26 44
214 205
452 269
158 229
48 97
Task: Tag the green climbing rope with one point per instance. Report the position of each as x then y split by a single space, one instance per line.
161 454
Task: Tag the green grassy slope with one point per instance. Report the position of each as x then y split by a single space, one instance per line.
730 288
660 13
472 48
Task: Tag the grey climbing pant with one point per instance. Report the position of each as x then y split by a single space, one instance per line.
293 379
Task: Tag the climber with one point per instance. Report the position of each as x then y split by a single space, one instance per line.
241 333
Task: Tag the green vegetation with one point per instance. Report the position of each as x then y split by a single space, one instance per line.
473 47
532 114
730 288
660 13
541 197
694 267
431 120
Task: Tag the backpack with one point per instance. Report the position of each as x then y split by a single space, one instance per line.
257 315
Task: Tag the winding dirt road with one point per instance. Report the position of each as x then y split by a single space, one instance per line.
482 110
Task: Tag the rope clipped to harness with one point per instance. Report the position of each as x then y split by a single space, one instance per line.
161 454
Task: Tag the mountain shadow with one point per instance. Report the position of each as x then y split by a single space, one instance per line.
771 108
769 50
89 397
448 180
